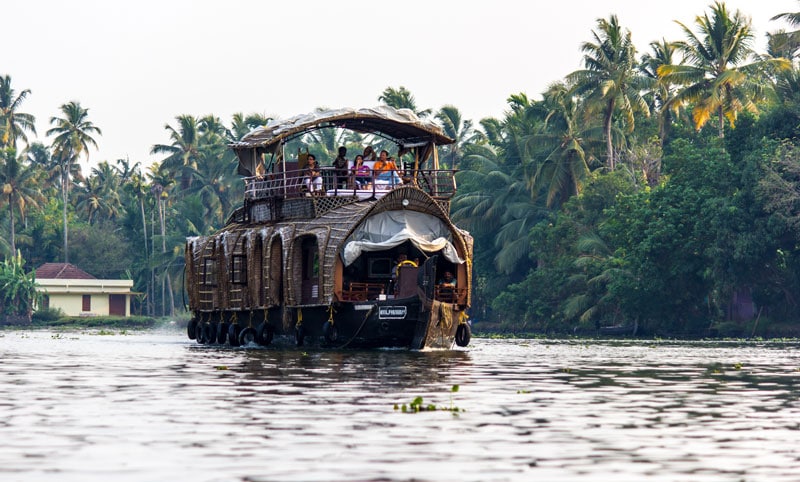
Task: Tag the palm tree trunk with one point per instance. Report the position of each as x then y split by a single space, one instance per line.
152 268
144 230
162 215
64 197
607 128
11 214
721 115
171 295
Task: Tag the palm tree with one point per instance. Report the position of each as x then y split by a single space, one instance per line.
161 182
401 98
459 129
782 43
241 125
661 90
563 142
100 195
610 81
597 268
183 152
125 170
46 165
136 188
722 76
73 134
13 124
502 204
19 188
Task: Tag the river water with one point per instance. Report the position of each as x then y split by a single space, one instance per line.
154 406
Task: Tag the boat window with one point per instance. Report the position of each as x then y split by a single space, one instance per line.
239 269
310 259
379 268
314 265
209 273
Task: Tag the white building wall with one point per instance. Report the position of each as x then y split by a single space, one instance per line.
68 295
69 304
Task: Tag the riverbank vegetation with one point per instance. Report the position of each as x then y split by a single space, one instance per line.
655 191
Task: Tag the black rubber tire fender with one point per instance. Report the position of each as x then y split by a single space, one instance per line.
247 336
211 333
264 332
222 333
463 334
200 334
233 334
191 329
330 332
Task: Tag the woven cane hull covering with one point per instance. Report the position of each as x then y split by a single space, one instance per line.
280 263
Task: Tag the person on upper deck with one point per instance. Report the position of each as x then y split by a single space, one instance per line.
313 176
340 167
369 153
386 169
361 172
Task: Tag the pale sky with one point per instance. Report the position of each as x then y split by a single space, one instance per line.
137 65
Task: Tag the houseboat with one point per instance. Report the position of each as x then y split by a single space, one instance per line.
338 262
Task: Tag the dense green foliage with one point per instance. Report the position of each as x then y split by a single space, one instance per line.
658 190
18 293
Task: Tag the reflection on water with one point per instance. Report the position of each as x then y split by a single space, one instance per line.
157 407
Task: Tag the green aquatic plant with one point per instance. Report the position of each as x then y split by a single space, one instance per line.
418 405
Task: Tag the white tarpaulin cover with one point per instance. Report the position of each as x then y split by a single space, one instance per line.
392 228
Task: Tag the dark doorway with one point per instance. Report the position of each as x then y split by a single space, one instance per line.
116 305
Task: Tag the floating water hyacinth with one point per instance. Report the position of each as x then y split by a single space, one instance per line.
418 405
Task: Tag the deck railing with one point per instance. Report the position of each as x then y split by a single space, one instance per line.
440 184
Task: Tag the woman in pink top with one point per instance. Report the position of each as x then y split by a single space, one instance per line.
361 172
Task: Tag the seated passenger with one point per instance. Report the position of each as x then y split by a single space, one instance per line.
386 169
313 176
447 281
369 153
361 173
340 167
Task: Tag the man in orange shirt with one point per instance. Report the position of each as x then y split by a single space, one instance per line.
385 169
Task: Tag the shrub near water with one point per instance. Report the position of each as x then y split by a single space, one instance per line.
98 322
17 291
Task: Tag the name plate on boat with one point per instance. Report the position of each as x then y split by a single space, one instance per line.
392 312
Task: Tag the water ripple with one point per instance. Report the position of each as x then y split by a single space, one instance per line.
156 407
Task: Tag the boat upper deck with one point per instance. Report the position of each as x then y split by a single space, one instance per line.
280 186
438 183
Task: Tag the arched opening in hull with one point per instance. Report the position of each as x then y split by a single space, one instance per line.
307 259
384 253
274 287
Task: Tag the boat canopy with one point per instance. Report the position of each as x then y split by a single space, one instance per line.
388 229
400 126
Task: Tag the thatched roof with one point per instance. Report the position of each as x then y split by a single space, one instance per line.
400 125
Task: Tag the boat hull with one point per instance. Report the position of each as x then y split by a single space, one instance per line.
409 323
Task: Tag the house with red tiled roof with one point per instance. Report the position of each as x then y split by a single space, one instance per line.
77 293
